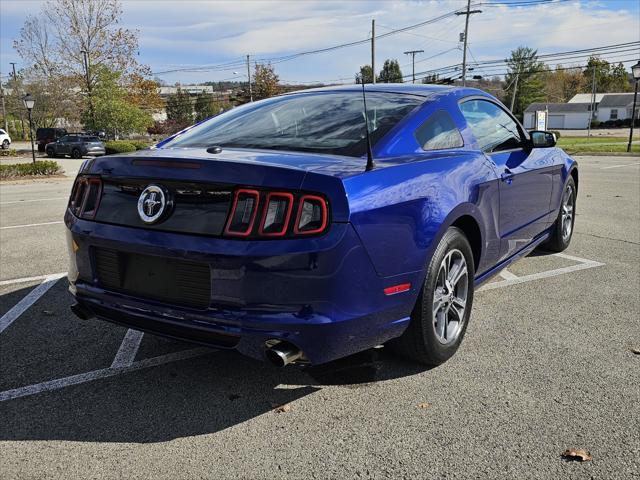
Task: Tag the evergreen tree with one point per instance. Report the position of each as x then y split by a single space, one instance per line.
365 75
204 106
390 72
179 108
525 77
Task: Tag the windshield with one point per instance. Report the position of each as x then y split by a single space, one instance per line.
330 123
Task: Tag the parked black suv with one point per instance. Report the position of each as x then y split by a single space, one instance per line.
48 135
77 146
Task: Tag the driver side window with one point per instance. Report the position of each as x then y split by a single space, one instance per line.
493 128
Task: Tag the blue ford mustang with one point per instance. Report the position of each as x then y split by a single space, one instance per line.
318 224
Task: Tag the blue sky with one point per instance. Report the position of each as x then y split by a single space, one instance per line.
185 34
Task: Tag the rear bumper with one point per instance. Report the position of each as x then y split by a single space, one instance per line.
96 152
321 294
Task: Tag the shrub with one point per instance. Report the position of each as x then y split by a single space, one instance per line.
38 169
119 146
9 152
140 144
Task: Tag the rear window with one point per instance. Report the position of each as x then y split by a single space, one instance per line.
438 132
332 123
90 139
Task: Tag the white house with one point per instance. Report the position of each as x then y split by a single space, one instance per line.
575 113
561 115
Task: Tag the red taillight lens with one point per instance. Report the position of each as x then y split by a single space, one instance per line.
312 215
85 197
276 214
243 213
277 217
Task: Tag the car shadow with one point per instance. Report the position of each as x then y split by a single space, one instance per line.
201 395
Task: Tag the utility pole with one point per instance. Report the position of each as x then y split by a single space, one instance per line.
15 84
373 51
249 76
593 99
413 62
515 89
4 110
468 13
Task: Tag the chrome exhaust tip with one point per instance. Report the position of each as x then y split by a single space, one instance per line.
82 312
283 354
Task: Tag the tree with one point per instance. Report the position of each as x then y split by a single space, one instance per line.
524 79
265 81
609 78
561 84
113 112
55 42
390 72
204 106
143 92
365 75
179 108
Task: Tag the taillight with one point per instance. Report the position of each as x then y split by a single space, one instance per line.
85 197
276 214
312 215
243 212
276 217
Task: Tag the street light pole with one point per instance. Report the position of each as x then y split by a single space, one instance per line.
635 71
29 102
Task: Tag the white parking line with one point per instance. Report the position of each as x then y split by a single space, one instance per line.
128 349
33 296
583 265
31 225
33 200
13 281
102 373
507 275
620 166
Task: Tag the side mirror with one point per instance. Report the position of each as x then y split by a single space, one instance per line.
542 139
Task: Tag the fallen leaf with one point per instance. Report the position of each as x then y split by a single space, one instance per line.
281 408
234 396
48 312
635 351
579 454
424 405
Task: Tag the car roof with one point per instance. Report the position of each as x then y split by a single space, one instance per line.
422 89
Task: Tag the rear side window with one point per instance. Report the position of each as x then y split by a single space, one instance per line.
493 128
438 132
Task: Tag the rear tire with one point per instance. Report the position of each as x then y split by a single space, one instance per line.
75 153
563 226
441 315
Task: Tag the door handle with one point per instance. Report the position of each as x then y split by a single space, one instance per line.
507 176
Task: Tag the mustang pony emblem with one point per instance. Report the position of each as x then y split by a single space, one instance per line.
152 204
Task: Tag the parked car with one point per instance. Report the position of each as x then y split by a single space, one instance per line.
293 229
45 136
76 146
5 139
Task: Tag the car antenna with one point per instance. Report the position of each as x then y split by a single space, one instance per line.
370 162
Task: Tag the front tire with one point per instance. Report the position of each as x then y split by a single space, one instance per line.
50 153
441 315
563 226
75 153
5 144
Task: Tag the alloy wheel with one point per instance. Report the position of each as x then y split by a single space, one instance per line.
566 218
450 297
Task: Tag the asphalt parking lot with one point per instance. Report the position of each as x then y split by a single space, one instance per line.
550 362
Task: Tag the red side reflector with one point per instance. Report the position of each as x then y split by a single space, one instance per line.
403 287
